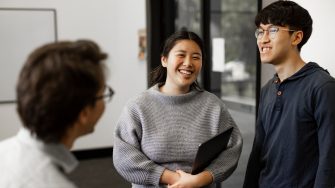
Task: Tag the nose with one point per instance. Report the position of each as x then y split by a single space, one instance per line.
188 61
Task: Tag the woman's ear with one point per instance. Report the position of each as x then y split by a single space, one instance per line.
297 37
164 61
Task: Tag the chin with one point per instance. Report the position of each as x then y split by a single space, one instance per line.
186 84
266 61
86 132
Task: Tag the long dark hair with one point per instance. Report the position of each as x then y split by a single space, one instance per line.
158 75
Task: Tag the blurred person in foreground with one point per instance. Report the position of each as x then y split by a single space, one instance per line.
60 97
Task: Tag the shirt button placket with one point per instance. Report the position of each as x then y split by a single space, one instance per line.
279 93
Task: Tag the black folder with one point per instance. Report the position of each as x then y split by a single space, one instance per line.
210 149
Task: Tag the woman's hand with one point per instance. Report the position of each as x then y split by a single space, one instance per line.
192 181
169 177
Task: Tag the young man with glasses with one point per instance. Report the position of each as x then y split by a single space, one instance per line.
294 144
60 94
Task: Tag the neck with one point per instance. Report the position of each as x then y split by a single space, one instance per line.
70 137
289 67
173 90
68 142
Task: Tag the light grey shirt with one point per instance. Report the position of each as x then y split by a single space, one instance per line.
26 162
157 132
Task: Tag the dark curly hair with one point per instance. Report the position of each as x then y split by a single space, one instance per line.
287 13
57 81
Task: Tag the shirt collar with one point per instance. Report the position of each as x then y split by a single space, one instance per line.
60 155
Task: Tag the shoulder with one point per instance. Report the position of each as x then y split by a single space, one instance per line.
46 173
7 144
322 75
137 104
9 150
14 154
210 99
51 176
320 80
317 75
29 167
209 96
141 99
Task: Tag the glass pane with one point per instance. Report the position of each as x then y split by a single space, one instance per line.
232 28
233 75
188 15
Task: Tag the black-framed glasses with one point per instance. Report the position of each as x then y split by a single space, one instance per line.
108 93
272 31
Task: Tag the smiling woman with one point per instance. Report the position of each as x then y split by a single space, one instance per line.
183 65
159 131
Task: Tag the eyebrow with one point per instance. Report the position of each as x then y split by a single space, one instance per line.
183 51
267 27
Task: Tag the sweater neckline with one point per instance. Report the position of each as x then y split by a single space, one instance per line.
172 98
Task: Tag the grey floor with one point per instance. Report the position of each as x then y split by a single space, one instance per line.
100 173
246 123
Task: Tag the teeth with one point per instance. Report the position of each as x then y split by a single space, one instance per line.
185 72
265 49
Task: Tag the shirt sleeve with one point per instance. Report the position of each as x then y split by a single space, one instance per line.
225 164
254 165
129 160
325 118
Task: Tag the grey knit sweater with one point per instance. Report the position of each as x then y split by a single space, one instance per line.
157 131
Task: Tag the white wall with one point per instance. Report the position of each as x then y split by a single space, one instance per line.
114 26
319 47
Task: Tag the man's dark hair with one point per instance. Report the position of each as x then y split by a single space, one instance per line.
57 81
287 13
158 75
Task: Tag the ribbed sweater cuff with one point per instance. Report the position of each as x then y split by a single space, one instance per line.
217 176
154 176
